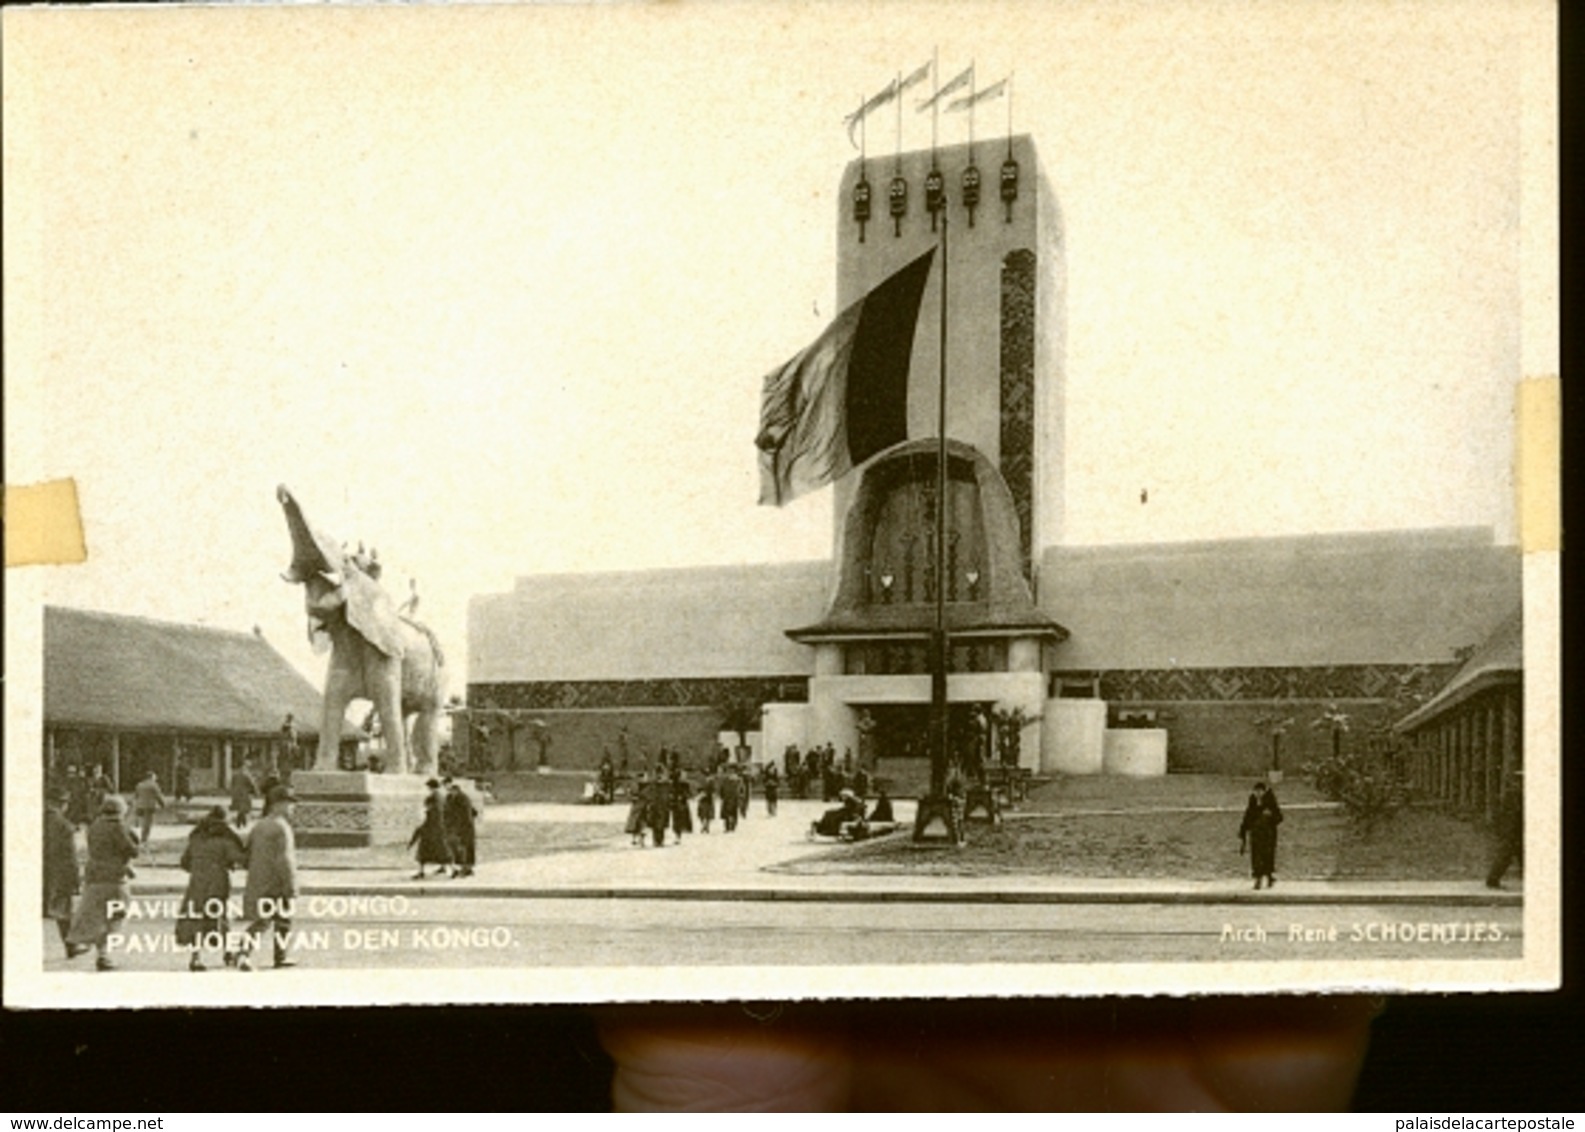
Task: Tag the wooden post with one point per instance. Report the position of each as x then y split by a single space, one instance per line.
1493 714
1510 733
1466 784
1466 754
115 761
1476 757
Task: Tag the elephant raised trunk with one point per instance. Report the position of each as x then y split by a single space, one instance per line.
312 552
376 654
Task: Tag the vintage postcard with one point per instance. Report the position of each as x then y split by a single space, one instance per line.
781 501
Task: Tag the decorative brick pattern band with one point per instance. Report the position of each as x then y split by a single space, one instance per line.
1401 682
696 692
338 816
1404 682
1018 391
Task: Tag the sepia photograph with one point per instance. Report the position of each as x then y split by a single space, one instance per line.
572 504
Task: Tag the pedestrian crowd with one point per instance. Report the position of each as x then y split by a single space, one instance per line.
820 769
662 797
447 837
88 902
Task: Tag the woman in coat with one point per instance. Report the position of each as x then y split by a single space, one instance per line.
1258 832
110 850
434 848
637 807
213 850
681 812
706 805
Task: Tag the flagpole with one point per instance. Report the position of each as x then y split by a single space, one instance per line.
938 668
935 98
898 163
974 86
937 804
1009 113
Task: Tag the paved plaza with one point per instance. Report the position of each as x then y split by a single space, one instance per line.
754 863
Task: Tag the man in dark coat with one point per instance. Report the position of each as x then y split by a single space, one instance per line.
657 811
730 789
607 780
771 784
243 791
681 796
1509 830
99 788
62 878
77 811
1262 816
850 810
460 817
706 804
271 892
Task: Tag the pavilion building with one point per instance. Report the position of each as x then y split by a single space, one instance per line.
132 694
1214 656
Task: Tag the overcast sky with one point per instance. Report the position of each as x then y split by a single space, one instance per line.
494 289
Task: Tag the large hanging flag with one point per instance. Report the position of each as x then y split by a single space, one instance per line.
995 90
844 397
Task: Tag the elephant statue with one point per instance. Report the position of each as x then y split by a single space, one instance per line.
375 653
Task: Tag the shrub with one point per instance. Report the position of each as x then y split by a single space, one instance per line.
1364 783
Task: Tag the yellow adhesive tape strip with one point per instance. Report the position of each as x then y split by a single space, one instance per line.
43 526
1538 477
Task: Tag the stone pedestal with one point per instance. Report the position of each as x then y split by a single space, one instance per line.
342 808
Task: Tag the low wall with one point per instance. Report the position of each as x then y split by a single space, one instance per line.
1072 735
1135 752
578 738
784 725
1235 737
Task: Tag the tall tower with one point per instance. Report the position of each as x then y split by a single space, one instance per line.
1006 309
931 541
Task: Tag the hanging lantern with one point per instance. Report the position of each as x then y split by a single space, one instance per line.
971 191
1009 186
935 195
861 205
899 202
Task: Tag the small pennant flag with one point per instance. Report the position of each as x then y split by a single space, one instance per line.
960 81
875 102
844 397
979 96
918 75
